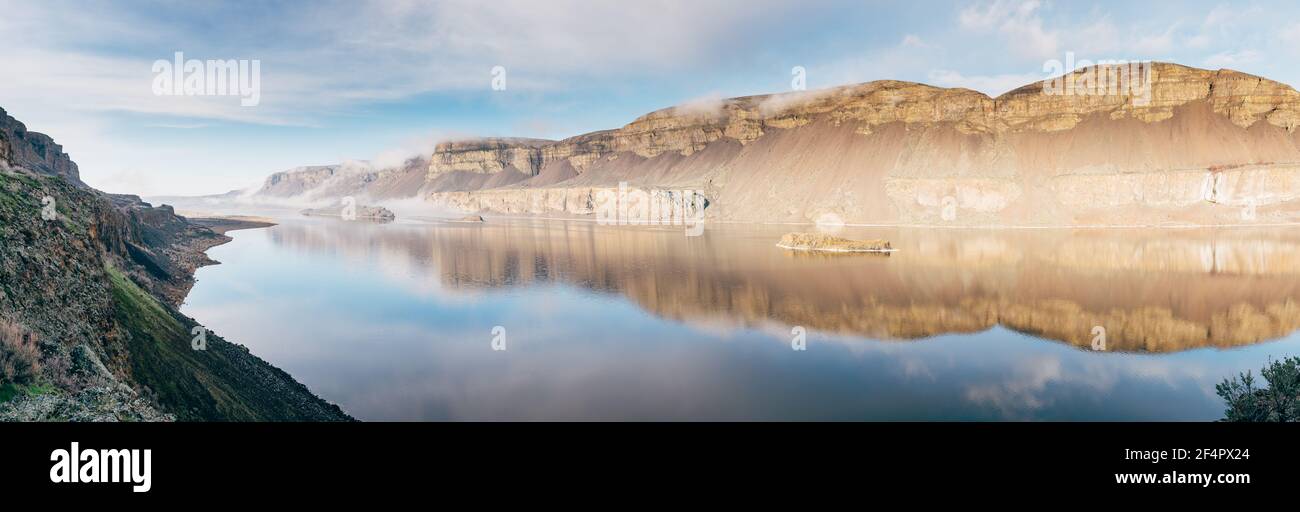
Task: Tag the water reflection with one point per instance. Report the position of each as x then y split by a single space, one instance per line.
1152 291
393 321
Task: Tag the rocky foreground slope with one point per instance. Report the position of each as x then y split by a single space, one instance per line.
89 289
1203 147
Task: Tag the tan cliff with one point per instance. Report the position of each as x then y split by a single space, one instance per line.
1196 147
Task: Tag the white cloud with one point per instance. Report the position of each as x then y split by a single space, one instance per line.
1148 44
707 106
1018 22
335 55
915 41
1232 58
1290 35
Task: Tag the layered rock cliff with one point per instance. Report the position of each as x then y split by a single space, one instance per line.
1158 144
1193 147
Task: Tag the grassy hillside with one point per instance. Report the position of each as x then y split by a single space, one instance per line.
87 293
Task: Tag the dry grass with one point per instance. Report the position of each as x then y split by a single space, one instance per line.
20 357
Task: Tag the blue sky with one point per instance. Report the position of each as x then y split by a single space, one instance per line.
381 80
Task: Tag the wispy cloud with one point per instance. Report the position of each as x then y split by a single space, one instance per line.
349 78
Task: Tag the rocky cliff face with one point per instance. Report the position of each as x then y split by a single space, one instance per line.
1161 144
96 280
1195 147
34 151
298 180
327 183
488 156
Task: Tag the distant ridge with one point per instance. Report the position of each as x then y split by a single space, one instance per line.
1198 147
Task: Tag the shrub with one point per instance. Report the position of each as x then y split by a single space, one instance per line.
1279 402
20 357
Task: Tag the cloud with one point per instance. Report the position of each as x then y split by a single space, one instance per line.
343 78
1290 35
915 41
414 147
1156 44
1018 22
331 56
707 106
907 60
1232 58
778 103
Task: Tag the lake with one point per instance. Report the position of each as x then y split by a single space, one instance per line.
529 319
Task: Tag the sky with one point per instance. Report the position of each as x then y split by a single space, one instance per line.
382 80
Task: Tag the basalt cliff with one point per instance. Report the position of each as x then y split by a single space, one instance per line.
1193 147
90 284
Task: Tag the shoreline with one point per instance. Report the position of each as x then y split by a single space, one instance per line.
490 215
222 224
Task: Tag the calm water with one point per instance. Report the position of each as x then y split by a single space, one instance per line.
395 322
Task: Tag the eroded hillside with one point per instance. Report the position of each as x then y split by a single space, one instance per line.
89 330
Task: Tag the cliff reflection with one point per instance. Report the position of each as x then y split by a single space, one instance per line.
1152 291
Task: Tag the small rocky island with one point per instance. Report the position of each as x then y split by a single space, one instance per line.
358 212
828 243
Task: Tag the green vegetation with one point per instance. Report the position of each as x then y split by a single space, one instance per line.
1279 402
9 391
163 360
221 383
97 285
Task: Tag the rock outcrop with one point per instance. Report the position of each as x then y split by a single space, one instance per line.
355 212
826 243
1158 145
34 151
1191 146
97 279
487 156
328 183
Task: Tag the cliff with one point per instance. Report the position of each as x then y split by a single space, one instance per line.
89 289
34 151
1199 147
1162 145
327 183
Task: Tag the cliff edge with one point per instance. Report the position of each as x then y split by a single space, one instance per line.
89 289
1181 146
